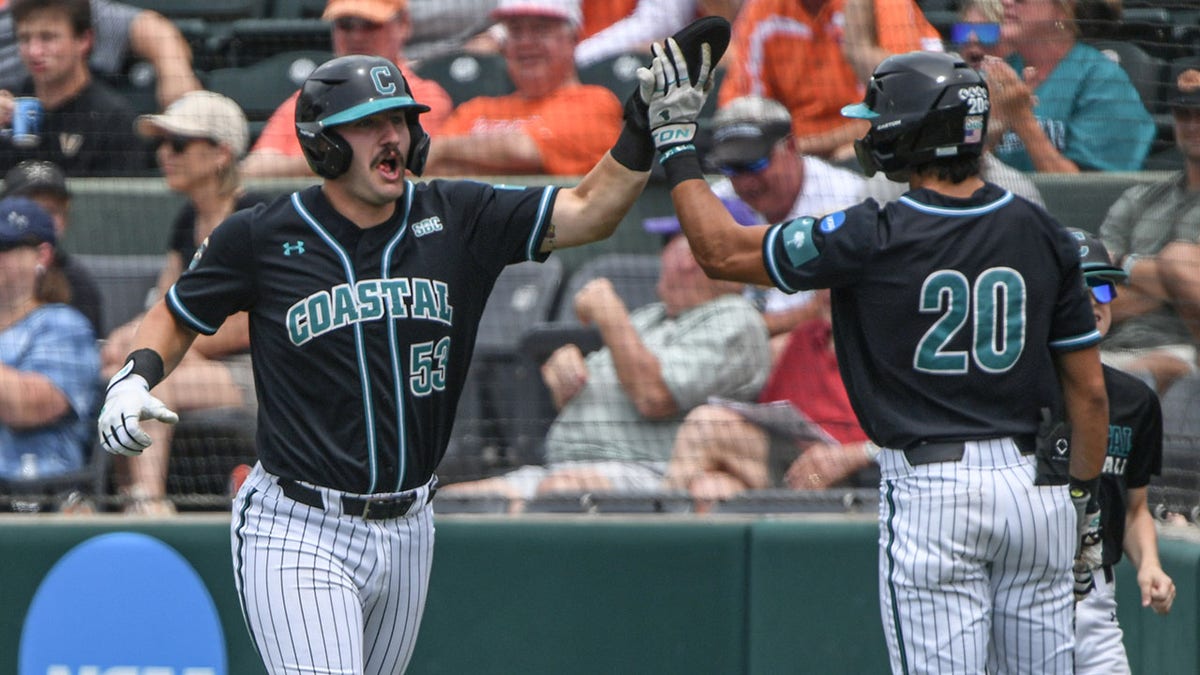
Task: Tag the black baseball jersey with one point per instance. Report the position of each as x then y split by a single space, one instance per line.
945 311
361 338
1135 436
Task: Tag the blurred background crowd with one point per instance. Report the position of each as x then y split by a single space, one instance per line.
128 131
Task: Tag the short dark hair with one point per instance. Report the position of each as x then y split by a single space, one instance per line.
78 12
953 169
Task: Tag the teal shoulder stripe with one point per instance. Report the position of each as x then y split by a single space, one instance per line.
769 259
182 312
1077 342
541 221
951 211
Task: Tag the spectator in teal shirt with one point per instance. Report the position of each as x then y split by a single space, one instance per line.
1071 109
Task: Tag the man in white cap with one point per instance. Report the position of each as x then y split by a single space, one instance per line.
371 27
551 124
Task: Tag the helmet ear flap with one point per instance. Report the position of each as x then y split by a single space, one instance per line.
418 149
866 158
328 154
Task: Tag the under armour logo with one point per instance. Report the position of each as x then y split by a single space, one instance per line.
290 248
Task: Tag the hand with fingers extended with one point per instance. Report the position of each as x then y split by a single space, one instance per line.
675 99
126 404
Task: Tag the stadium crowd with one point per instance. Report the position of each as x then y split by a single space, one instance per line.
775 142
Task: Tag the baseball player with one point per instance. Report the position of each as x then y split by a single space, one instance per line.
364 295
1134 453
953 308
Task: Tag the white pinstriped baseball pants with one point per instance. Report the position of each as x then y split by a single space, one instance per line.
975 565
327 593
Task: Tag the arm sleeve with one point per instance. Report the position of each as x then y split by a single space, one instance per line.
724 354
1074 325
828 252
1147 449
1117 229
504 224
67 355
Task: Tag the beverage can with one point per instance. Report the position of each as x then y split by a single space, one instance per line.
26 122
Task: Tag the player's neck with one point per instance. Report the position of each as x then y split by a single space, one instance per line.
358 211
962 190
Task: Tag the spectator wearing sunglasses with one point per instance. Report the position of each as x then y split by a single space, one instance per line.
977 33
199 138
372 27
1134 455
754 148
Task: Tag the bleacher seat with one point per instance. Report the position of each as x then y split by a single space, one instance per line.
50 493
616 73
137 84
1177 490
125 282
1145 71
492 418
634 277
253 40
465 75
261 87
297 9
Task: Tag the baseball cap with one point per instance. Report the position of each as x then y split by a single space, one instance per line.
24 223
567 10
200 114
375 11
33 176
669 225
745 131
1093 255
1185 88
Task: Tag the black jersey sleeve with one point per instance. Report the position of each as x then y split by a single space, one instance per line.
1145 457
219 281
502 224
1074 325
822 252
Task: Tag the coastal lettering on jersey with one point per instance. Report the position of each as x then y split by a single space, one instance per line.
368 300
1120 443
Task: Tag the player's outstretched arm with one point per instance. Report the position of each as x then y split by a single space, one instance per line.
591 210
158 346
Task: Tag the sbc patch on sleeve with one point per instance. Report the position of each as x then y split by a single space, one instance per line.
797 240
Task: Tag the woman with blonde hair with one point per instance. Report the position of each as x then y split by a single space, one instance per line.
1064 107
200 138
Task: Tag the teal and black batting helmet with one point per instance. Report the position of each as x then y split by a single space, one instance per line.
922 106
346 89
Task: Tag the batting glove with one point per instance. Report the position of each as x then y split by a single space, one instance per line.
674 100
1085 580
127 402
1087 513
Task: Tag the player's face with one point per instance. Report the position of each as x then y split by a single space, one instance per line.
380 145
1187 132
540 53
51 50
772 189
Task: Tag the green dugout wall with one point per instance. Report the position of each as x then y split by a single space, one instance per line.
580 595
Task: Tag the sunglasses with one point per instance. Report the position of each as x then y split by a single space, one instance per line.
179 144
986 33
730 170
1103 292
351 23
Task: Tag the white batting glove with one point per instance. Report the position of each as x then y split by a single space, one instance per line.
674 101
1085 580
127 402
1090 545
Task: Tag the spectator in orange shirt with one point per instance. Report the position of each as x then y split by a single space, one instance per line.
877 29
552 124
372 27
792 51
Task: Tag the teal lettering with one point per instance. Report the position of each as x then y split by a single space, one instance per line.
396 290
370 307
297 322
445 311
344 310
319 315
424 303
